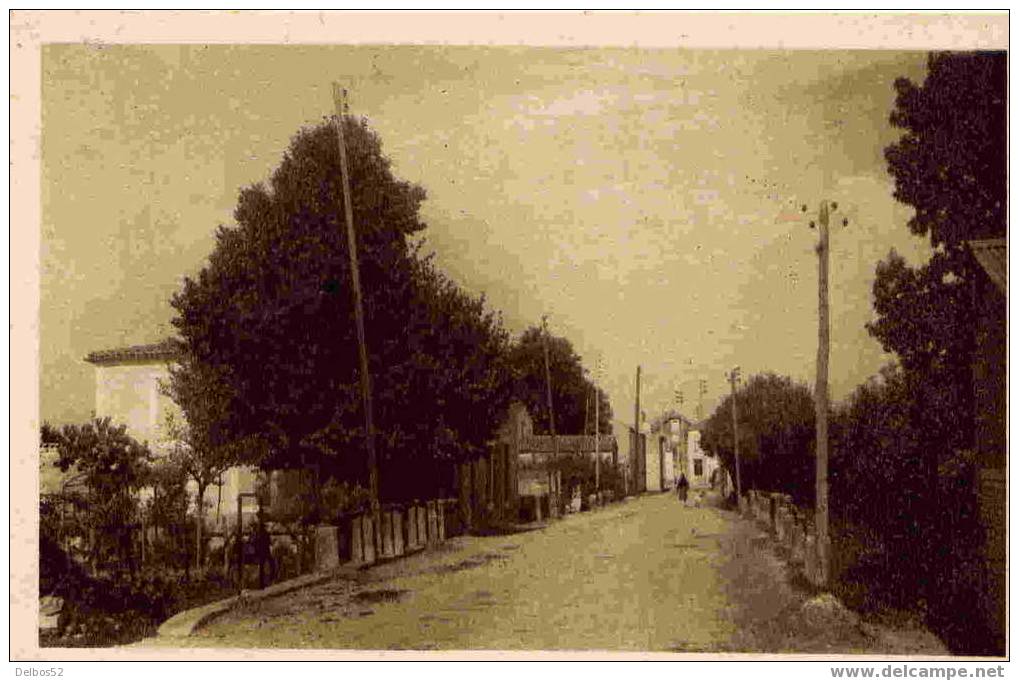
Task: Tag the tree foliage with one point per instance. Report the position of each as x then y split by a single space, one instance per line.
198 445
114 467
271 314
572 392
451 388
267 327
895 544
902 474
950 166
776 436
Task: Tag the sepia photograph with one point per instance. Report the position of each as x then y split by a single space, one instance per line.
529 345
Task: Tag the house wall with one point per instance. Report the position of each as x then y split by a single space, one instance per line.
696 453
653 465
673 434
669 468
131 394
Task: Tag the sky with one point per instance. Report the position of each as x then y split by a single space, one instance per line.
646 200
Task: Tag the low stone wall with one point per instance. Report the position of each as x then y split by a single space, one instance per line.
790 526
360 539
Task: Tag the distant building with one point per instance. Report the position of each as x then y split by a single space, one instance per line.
537 453
535 448
990 393
700 467
517 479
130 391
635 459
669 437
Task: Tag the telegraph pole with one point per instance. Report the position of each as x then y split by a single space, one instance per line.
340 99
597 449
636 433
821 390
701 392
551 411
587 412
733 378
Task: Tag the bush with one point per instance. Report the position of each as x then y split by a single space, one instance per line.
103 611
341 498
904 513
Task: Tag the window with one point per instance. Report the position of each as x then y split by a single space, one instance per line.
698 467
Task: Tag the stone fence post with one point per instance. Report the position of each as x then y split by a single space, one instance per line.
327 547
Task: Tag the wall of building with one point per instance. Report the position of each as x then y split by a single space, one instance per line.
653 466
131 394
695 454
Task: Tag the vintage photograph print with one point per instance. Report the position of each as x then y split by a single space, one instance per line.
426 346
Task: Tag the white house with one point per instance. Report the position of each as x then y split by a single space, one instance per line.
700 466
130 385
669 448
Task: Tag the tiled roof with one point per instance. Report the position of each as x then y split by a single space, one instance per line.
567 443
133 353
992 254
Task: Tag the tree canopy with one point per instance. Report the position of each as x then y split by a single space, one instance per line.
572 392
951 162
268 324
776 436
950 165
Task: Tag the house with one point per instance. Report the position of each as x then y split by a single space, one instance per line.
130 391
516 479
990 394
700 467
537 453
669 435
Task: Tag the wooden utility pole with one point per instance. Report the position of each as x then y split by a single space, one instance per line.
821 399
733 378
702 391
597 432
587 412
340 98
637 468
553 498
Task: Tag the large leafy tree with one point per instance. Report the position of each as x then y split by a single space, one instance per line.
950 165
271 314
572 392
197 448
776 436
267 327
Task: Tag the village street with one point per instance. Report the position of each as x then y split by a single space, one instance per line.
647 574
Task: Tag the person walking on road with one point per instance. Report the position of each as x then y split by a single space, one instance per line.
682 487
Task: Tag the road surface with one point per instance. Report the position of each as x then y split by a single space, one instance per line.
645 575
